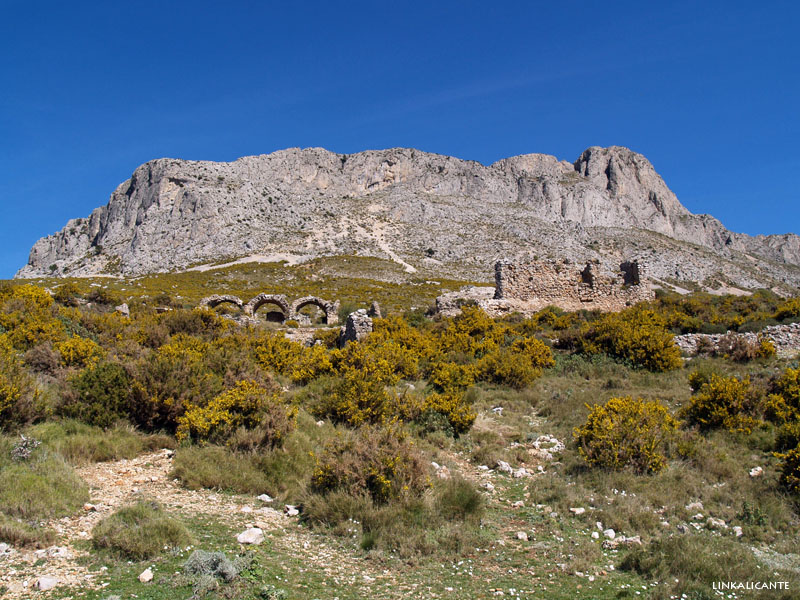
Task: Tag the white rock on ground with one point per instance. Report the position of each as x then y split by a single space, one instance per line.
254 535
609 533
756 472
577 511
46 582
290 510
146 576
522 536
266 498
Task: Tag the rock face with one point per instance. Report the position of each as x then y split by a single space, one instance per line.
418 209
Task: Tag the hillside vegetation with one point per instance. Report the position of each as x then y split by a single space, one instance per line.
561 455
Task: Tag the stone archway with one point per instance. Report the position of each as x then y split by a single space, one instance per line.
217 299
331 309
278 300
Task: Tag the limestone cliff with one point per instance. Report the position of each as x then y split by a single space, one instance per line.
425 211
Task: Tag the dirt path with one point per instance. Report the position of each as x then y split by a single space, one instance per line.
115 484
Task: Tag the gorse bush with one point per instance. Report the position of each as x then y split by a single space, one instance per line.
247 405
638 335
18 390
29 316
625 432
723 402
79 352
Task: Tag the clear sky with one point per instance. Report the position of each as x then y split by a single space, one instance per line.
708 91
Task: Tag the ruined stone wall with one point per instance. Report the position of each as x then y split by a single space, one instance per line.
571 286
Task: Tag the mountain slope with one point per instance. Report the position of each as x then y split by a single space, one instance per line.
428 212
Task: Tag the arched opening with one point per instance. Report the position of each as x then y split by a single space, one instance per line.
273 311
312 312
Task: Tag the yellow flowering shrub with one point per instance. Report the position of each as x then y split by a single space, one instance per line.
790 469
788 309
637 334
18 391
244 405
723 402
454 408
28 314
79 352
625 432
376 462
353 398
452 377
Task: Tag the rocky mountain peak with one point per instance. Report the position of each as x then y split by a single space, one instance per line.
419 209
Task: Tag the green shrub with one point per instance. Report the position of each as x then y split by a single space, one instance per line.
627 433
789 309
379 463
100 395
353 398
457 498
453 407
140 531
723 402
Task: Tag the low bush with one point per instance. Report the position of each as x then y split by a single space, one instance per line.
81 444
627 433
687 564
723 402
140 531
217 468
375 462
20 533
790 469
42 486
453 407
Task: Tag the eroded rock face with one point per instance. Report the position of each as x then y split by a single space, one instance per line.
411 207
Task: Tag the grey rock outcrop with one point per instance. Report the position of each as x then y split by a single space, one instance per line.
414 208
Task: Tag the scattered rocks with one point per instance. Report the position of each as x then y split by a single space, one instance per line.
488 487
609 533
504 467
713 523
756 472
266 498
146 576
253 535
694 506
290 510
577 511
518 504
595 535
123 309
737 531
522 536
622 541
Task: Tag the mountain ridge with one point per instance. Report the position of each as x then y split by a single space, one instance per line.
427 211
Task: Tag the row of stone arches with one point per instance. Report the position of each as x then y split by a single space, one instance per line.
280 309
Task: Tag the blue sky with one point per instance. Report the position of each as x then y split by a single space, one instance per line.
709 92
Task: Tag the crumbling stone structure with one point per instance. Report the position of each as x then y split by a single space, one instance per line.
281 311
570 287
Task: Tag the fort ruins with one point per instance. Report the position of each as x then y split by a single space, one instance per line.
527 287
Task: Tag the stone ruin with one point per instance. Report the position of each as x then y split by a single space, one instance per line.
566 285
281 309
527 287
